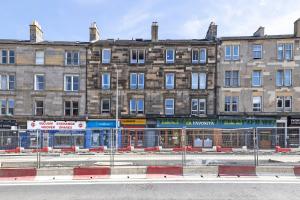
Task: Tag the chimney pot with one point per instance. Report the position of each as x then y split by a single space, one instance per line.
260 32
94 32
212 31
297 28
154 32
36 33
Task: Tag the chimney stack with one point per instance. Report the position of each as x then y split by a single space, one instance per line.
297 28
212 31
154 32
36 33
260 32
94 32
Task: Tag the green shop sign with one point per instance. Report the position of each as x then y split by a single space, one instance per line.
215 123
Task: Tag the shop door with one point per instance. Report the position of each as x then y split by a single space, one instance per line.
265 139
280 134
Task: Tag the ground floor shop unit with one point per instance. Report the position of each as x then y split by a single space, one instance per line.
207 133
102 133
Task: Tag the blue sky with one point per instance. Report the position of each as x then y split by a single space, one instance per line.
126 19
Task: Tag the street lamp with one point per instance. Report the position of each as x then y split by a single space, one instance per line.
117 105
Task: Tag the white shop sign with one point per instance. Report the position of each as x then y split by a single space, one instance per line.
56 125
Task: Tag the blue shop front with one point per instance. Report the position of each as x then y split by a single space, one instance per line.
100 133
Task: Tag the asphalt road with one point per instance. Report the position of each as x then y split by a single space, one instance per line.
218 189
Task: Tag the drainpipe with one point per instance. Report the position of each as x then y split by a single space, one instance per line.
216 77
86 81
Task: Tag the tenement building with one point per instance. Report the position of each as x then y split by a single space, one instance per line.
258 81
150 83
42 87
152 90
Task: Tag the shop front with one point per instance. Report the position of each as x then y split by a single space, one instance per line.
293 132
56 134
100 133
133 133
210 132
9 137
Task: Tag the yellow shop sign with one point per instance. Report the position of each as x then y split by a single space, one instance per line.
133 121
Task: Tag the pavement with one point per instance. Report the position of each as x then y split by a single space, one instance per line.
194 187
142 159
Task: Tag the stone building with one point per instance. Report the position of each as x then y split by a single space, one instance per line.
258 80
41 80
159 82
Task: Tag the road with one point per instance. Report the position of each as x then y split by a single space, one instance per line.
212 189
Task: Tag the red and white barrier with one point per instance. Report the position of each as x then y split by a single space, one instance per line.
17 173
126 149
232 170
164 171
278 149
153 149
187 148
224 149
91 172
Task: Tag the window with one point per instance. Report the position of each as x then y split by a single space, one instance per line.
105 106
169 106
11 106
257 51
11 82
236 52
3 107
288 51
170 81
8 56
7 106
285 51
284 104
136 106
137 56
39 82
105 81
7 82
4 56
232 78
72 58
71 108
256 104
232 52
195 56
137 80
199 57
11 57
284 77
71 82
39 57
231 103
170 56
202 55
198 106
39 108
198 80
256 78
227 52
106 56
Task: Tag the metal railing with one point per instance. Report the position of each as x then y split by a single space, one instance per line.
150 146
